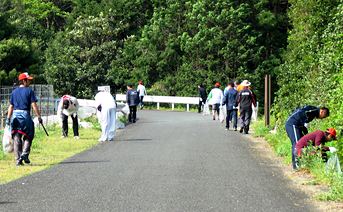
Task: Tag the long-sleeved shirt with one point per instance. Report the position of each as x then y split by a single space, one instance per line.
217 95
303 115
141 90
73 106
132 97
315 138
245 98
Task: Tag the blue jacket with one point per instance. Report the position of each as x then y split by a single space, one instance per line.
303 115
229 98
132 97
21 122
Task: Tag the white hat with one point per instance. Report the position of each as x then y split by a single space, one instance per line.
245 83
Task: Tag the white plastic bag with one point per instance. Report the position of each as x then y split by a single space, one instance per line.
222 114
7 142
126 110
206 109
333 163
85 112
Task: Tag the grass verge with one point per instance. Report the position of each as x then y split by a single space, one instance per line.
47 151
281 145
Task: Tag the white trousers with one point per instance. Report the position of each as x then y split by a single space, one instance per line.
107 121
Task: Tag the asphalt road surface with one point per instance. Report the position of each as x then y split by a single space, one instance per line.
166 161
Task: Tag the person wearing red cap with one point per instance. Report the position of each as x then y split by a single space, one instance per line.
141 91
216 95
19 117
317 138
68 106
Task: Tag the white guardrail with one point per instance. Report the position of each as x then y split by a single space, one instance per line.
164 99
176 99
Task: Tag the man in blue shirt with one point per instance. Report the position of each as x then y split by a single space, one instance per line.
297 123
229 99
22 99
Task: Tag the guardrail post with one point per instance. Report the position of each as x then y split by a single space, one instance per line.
172 106
158 105
187 107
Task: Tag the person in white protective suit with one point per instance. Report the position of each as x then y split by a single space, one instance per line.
106 106
68 106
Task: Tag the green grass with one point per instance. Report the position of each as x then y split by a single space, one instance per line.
47 151
313 163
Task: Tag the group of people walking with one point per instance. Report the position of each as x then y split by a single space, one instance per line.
238 98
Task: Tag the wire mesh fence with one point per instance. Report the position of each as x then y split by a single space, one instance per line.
45 103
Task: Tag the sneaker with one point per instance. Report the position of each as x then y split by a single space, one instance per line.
134 121
214 118
235 129
24 158
76 137
19 164
226 128
64 136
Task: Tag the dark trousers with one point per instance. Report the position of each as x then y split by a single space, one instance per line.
231 114
65 125
141 100
244 119
294 135
200 105
132 115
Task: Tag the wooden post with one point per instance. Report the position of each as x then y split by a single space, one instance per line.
267 99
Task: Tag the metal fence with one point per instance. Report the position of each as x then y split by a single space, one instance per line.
45 103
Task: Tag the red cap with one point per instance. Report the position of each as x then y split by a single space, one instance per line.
332 132
140 82
25 75
217 84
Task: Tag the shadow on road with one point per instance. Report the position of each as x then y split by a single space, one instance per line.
71 162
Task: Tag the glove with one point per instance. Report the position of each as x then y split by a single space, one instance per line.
8 121
332 149
40 120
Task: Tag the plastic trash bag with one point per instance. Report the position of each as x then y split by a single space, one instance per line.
206 109
126 110
333 163
85 112
222 113
7 142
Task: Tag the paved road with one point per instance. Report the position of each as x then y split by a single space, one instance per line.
167 161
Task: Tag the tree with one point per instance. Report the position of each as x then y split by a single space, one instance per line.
79 59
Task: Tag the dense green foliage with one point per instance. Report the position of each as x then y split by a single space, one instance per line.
170 45
312 72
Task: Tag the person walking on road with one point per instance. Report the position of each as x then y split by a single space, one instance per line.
106 106
202 96
68 106
297 123
141 90
132 99
317 139
229 100
216 95
19 118
245 99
